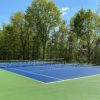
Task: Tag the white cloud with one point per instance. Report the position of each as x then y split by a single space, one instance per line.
65 10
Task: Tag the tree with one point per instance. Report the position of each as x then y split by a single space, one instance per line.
44 16
62 39
90 23
9 43
83 26
18 21
77 23
96 59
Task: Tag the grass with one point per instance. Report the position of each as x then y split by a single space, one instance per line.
15 87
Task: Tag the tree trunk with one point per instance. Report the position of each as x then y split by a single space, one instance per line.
44 49
89 55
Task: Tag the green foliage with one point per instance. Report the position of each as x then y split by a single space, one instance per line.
42 16
40 33
78 23
84 24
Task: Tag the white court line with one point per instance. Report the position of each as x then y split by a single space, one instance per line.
25 76
73 79
60 80
36 74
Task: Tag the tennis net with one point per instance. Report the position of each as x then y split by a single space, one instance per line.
27 63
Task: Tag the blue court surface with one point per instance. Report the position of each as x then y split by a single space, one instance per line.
50 73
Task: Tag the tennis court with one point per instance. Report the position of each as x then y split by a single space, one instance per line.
50 73
37 81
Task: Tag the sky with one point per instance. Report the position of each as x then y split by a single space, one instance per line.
68 7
